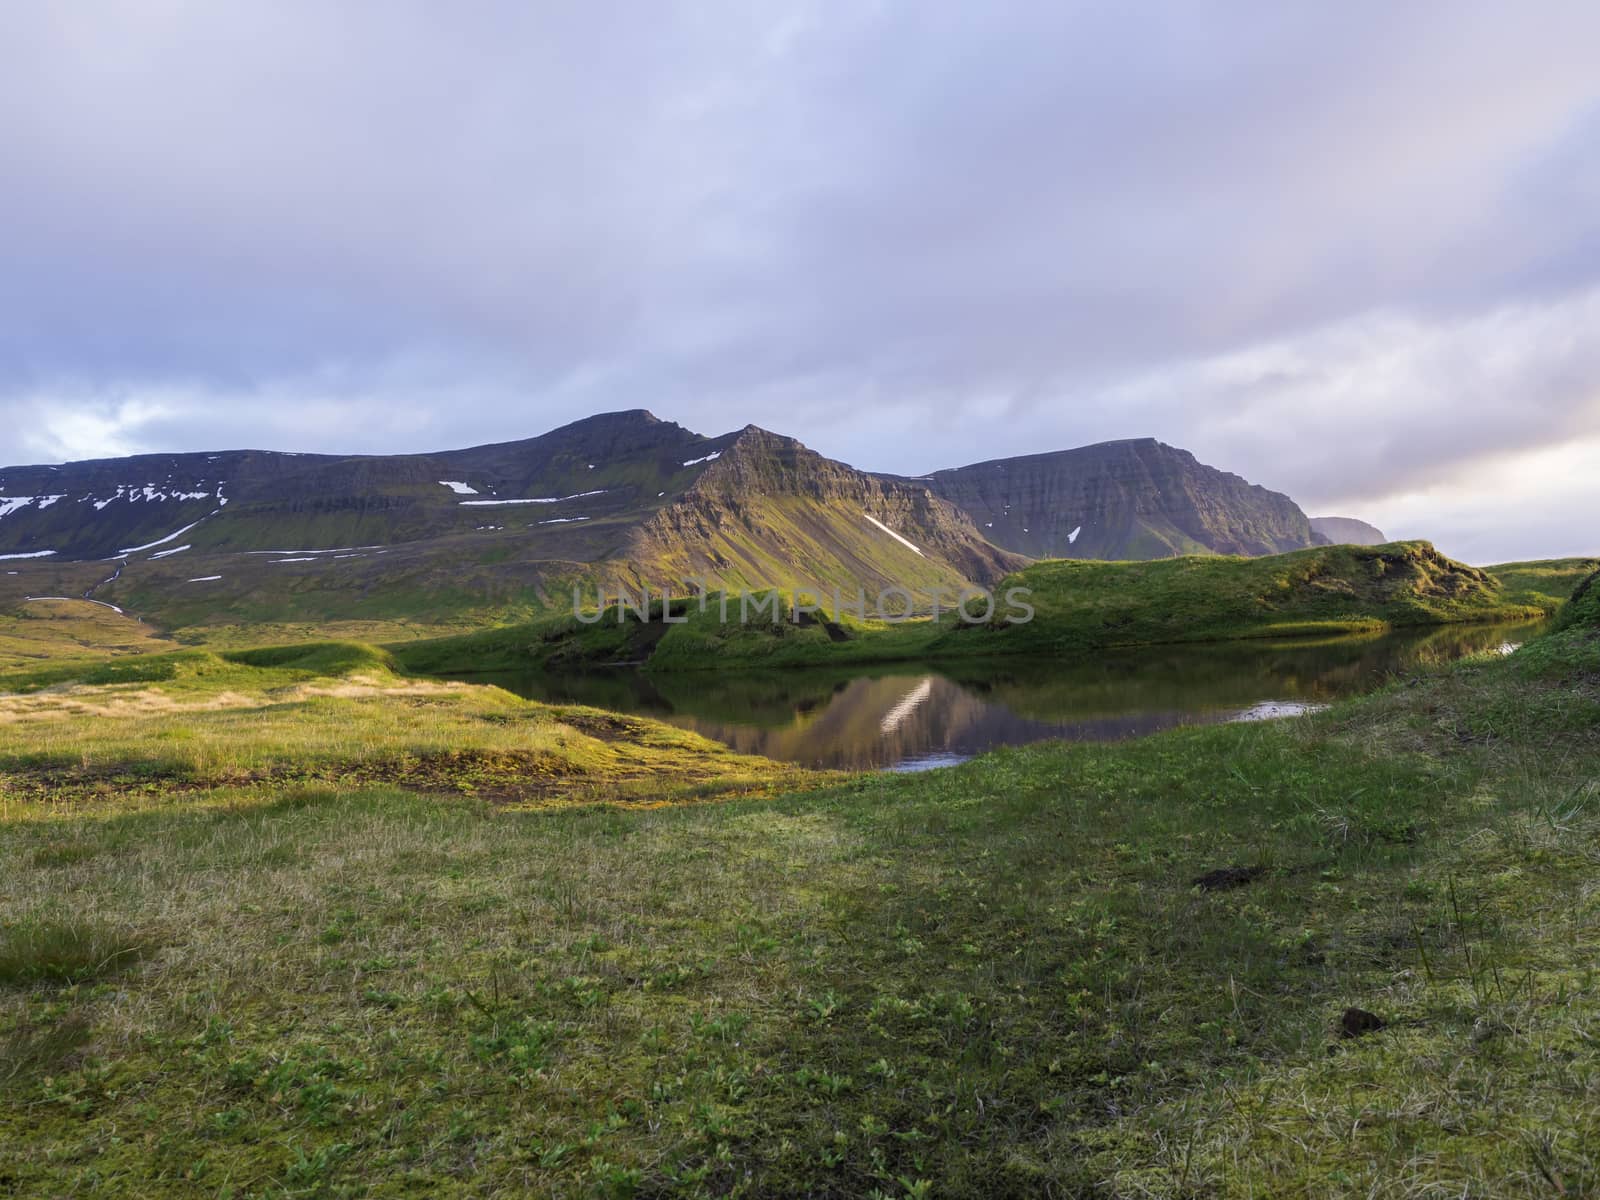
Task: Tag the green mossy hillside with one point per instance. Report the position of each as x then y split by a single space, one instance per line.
1544 581
1583 610
1209 598
1079 607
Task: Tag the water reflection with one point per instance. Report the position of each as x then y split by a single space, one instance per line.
914 716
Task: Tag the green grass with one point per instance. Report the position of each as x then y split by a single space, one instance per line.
1544 582
1080 607
991 980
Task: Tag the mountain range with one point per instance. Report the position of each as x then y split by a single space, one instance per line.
619 499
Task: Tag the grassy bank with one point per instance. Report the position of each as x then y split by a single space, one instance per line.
997 979
203 725
1079 607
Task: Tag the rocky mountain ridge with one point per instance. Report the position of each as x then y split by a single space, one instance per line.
616 499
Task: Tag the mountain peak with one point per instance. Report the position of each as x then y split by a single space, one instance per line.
622 418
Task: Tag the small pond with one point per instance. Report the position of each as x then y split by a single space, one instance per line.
911 716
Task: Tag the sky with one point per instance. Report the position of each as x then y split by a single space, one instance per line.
1350 252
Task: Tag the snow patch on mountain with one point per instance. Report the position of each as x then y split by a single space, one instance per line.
149 493
10 504
712 457
460 489
171 537
893 534
534 500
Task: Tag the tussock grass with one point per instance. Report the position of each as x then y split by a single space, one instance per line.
66 951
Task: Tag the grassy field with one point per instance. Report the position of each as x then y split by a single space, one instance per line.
1080 607
1001 979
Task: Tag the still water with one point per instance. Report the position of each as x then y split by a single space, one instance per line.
911 716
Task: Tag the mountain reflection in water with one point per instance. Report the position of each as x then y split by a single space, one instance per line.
912 716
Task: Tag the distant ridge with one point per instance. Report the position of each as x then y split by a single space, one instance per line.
1135 499
1347 531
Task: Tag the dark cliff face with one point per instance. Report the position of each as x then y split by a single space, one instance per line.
1347 531
1122 500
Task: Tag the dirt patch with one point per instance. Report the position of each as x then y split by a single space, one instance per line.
607 727
1227 878
1358 1022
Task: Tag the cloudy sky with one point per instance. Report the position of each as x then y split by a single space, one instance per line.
1350 251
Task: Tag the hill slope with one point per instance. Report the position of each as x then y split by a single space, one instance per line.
1210 598
1135 499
